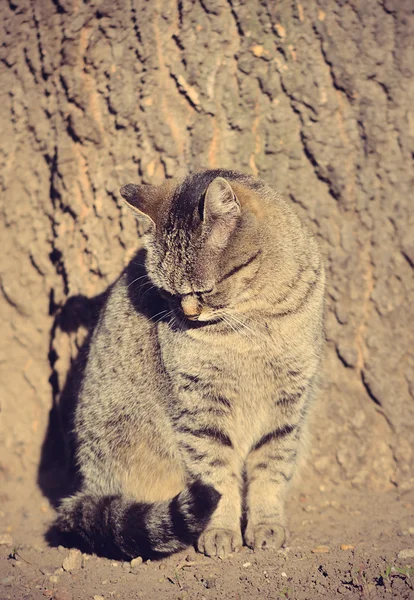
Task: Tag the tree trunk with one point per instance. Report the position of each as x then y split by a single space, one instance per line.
314 97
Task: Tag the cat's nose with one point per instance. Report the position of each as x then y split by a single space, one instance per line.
191 307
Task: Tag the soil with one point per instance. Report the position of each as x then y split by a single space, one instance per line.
343 544
315 97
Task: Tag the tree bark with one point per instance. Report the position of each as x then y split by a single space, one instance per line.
314 97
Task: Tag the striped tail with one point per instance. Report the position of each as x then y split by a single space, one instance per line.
117 528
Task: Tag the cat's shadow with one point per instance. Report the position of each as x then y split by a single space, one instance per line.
57 476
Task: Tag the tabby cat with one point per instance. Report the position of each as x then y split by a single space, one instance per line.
200 374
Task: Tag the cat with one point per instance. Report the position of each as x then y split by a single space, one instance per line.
200 375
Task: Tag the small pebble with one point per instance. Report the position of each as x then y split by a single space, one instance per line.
73 561
54 578
406 554
210 583
98 598
320 550
135 564
411 530
246 564
310 508
62 595
6 539
283 574
347 547
114 564
105 582
46 570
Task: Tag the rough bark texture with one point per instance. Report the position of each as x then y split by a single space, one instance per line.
315 97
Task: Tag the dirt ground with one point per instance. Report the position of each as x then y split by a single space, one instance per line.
343 544
316 97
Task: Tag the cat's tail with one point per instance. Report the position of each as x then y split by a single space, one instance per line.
117 528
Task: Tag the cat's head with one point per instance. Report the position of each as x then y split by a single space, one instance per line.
201 242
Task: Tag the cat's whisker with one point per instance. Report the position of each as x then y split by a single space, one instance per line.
142 287
162 313
182 322
259 335
252 331
228 322
242 331
226 318
163 316
137 279
153 287
145 284
174 321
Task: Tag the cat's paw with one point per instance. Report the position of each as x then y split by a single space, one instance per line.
219 542
265 535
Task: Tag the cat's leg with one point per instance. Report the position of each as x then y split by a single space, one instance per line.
270 466
209 455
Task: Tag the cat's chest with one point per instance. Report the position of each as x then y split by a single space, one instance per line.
246 383
222 366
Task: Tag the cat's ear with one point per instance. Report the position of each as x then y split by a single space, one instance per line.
143 201
221 212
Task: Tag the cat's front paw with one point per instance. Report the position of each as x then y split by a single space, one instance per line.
219 542
265 535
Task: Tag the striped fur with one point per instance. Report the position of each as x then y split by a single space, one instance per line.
201 374
114 527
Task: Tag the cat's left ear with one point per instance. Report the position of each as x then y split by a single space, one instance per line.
143 200
221 212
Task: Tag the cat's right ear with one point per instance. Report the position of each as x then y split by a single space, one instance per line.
143 201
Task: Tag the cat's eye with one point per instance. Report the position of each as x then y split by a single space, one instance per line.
205 292
177 297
